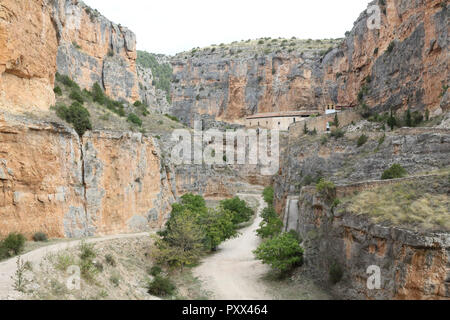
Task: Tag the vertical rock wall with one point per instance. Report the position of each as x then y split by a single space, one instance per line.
50 181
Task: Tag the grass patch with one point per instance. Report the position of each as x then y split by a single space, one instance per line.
422 204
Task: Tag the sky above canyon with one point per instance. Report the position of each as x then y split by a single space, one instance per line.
173 26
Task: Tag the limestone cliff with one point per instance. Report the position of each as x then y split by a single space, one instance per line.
41 37
108 183
402 64
27 54
413 265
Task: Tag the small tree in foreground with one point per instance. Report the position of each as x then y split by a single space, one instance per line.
282 253
268 195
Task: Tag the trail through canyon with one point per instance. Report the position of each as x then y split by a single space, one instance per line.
233 273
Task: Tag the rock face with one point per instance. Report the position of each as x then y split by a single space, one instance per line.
150 95
305 159
410 72
228 88
27 55
412 265
108 183
68 37
93 49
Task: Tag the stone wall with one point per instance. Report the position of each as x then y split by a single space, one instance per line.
52 182
414 265
320 123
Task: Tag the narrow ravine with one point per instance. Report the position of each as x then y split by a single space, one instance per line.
233 273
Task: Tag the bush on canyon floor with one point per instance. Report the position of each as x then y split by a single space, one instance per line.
182 243
241 212
12 245
40 237
282 252
268 194
271 225
396 171
193 229
77 115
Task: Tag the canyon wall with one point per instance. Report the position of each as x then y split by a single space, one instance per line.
28 48
41 37
402 64
413 265
93 49
52 182
305 158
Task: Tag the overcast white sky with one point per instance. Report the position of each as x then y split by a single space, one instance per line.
172 26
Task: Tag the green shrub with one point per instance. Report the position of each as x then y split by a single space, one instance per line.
362 140
326 188
182 243
57 90
98 95
77 115
335 273
155 271
65 80
87 251
270 228
268 195
282 253
12 245
396 171
173 118
134 119
391 47
269 213
241 212
76 96
161 286
110 260
40 237
337 133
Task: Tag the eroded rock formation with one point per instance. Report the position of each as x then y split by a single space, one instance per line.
108 183
402 64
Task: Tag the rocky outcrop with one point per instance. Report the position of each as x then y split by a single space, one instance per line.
305 159
108 183
230 87
65 36
413 265
93 49
27 55
403 64
149 94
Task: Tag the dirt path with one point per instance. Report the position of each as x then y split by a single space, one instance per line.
233 273
8 267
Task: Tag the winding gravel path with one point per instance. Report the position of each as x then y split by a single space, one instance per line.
233 273
8 268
